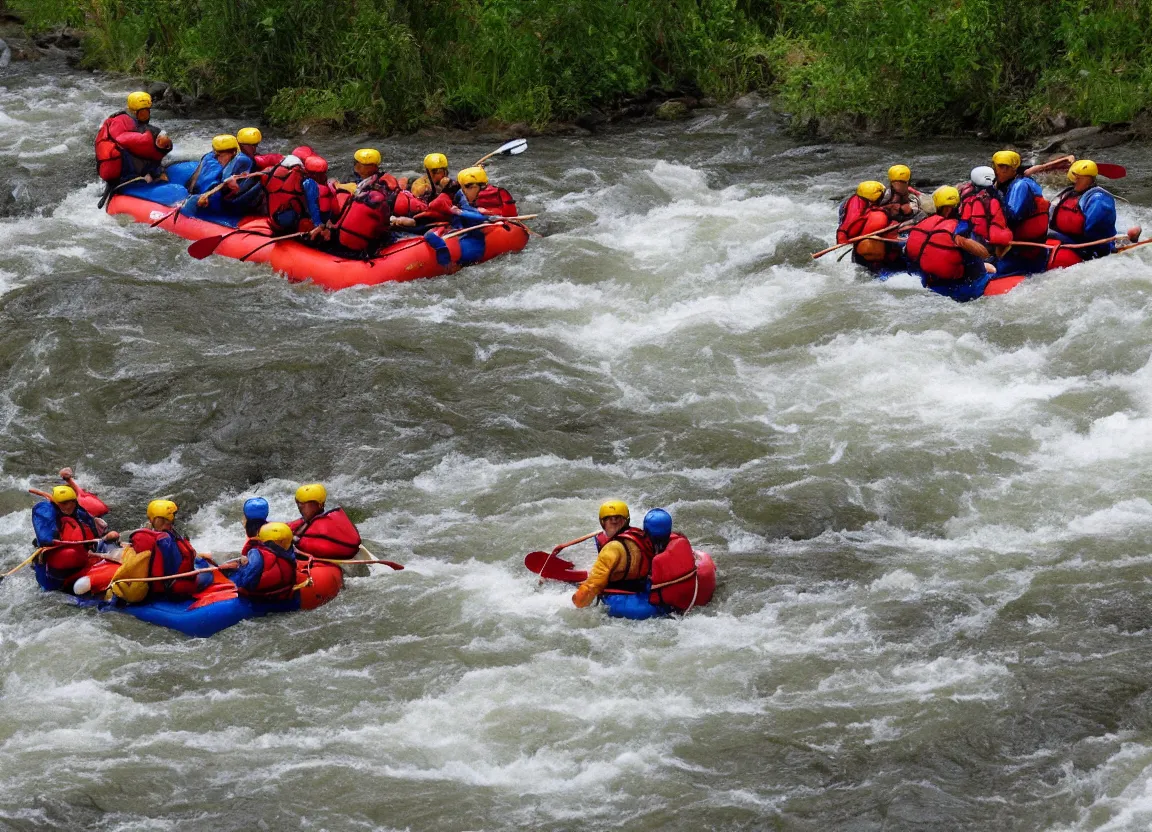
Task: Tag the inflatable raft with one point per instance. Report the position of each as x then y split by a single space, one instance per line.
407 259
216 607
697 588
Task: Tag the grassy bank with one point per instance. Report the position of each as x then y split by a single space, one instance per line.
913 66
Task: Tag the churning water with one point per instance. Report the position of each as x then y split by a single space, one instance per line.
931 520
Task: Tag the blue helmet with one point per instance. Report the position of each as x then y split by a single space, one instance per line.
255 508
658 524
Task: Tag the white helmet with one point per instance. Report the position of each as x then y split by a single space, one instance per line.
983 177
291 161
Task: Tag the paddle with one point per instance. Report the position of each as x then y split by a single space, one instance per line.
1134 245
189 574
1106 240
111 190
871 235
274 240
1061 163
35 555
205 247
512 148
550 567
339 562
555 551
1111 171
342 561
207 193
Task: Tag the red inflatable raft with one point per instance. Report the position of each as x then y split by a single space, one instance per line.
406 259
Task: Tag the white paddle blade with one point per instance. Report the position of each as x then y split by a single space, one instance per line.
512 148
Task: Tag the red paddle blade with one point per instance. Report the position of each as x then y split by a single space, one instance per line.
204 248
1111 171
535 562
556 568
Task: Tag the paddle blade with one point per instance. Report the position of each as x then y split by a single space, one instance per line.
204 248
554 569
1111 171
535 562
512 148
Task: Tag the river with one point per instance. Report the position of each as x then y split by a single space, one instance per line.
931 520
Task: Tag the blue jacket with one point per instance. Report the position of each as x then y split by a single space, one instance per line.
171 558
1019 198
312 200
247 577
46 522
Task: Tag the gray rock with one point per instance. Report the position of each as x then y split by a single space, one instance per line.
748 102
672 111
1086 138
5 54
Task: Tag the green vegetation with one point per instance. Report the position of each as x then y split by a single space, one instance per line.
910 66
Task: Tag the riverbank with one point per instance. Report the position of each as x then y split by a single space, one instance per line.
835 69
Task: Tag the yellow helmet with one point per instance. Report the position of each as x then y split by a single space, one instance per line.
1085 167
434 161
472 176
614 508
899 173
162 508
225 142
278 533
367 156
139 101
249 135
311 492
945 195
1006 157
63 493
870 190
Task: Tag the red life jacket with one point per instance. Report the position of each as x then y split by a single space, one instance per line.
643 543
285 190
263 161
367 219
1034 227
69 558
327 535
985 213
496 199
875 251
931 249
674 582
327 200
148 540
1066 215
853 212
110 152
278 575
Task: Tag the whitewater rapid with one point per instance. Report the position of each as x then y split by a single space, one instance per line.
931 520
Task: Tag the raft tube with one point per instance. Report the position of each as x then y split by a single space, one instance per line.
407 259
215 608
637 607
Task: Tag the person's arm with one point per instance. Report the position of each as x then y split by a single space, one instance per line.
1018 200
44 523
248 575
312 199
141 144
608 559
1099 217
